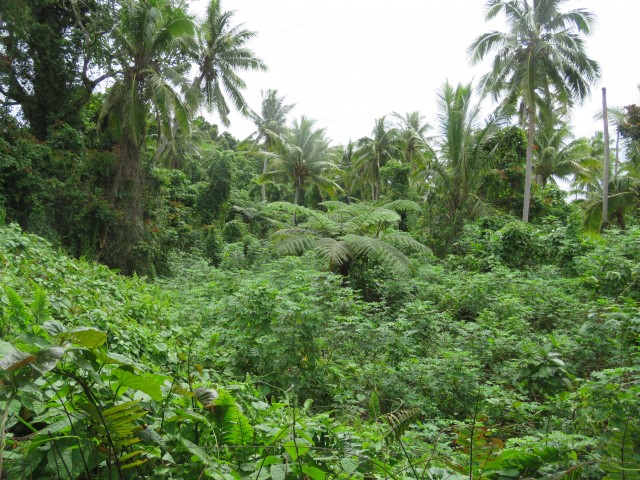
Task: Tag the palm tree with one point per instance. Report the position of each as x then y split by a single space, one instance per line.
412 139
222 53
152 78
156 44
557 154
462 157
350 179
271 125
374 152
307 159
542 55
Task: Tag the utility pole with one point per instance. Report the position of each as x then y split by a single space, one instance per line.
605 179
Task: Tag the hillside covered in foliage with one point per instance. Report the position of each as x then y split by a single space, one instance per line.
448 300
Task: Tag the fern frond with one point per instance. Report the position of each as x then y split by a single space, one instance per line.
16 311
375 218
233 424
116 425
376 249
405 241
399 422
291 208
285 233
334 251
405 206
40 306
295 245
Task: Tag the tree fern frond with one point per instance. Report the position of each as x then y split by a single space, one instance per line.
404 206
334 251
295 245
403 240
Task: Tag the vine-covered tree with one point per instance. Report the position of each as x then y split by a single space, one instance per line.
52 57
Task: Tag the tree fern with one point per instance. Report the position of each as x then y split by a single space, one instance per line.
337 253
295 245
405 206
402 240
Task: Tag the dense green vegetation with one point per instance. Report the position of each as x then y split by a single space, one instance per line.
177 303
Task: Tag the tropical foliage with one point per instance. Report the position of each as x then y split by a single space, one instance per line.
287 308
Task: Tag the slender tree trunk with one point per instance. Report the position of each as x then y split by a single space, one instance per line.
615 165
296 200
605 179
376 190
531 114
263 189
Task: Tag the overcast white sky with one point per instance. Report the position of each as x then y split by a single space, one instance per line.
345 63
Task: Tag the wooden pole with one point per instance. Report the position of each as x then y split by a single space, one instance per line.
605 179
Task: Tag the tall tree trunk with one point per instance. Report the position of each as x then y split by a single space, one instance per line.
615 165
531 114
296 200
263 188
605 179
126 193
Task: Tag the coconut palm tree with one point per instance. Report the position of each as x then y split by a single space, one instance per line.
306 160
271 126
542 55
557 154
222 54
374 152
412 140
462 159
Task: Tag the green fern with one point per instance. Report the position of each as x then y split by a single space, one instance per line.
623 462
40 306
117 423
295 245
404 206
399 422
16 311
334 251
233 424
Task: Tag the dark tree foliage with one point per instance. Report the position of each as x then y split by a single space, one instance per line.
503 185
213 202
49 55
630 128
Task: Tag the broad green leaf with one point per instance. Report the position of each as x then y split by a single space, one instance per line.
349 465
296 449
144 382
196 451
278 471
313 472
47 359
85 336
